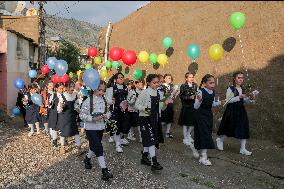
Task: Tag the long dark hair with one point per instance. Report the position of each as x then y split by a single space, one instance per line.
234 82
150 78
205 79
111 80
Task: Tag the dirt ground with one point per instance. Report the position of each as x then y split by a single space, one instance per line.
31 163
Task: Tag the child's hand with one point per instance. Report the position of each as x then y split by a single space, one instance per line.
98 118
243 96
199 98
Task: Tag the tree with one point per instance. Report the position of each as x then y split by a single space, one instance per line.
69 52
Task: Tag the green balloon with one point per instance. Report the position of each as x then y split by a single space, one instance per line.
108 64
115 64
137 74
88 66
167 42
237 20
153 58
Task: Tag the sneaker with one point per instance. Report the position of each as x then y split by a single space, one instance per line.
245 152
190 139
119 149
186 142
205 161
123 141
169 135
30 134
219 144
87 162
194 151
111 140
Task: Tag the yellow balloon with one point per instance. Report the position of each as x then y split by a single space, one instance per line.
98 60
162 59
71 75
103 73
143 56
216 52
79 73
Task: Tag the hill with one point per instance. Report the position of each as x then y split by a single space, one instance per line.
206 23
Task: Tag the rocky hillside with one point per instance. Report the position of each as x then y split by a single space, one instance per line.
82 33
206 23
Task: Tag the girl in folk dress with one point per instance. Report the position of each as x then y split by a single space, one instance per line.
148 104
94 112
235 120
204 117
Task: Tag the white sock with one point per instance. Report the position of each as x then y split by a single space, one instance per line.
102 162
185 131
243 144
221 137
168 127
46 127
77 140
152 151
90 153
204 153
32 127
53 134
117 139
62 140
146 149
190 129
37 127
50 131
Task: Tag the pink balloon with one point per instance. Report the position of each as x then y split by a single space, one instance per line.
129 57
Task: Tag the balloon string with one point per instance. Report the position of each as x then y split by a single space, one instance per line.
242 50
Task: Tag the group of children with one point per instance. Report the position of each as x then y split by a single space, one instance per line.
120 108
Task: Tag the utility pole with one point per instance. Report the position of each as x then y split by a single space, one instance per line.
42 48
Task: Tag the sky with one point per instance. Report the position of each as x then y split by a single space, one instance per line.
95 12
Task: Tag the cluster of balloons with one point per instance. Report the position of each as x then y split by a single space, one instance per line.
56 78
128 57
59 66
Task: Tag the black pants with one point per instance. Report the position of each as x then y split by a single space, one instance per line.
95 141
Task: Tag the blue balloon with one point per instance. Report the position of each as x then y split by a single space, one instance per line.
193 51
19 83
61 67
37 99
32 73
16 111
50 62
91 78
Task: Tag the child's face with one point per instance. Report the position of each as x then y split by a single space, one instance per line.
33 91
239 79
210 84
168 79
154 84
60 89
120 79
190 78
161 81
50 86
101 90
140 86
70 90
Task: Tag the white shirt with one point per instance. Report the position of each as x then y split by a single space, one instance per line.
230 95
197 103
131 99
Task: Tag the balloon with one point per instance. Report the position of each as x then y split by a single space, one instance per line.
98 60
167 42
44 69
216 52
91 78
19 83
162 59
84 92
79 73
71 75
92 51
88 66
103 73
115 64
32 73
50 62
129 57
16 111
61 67
115 53
108 64
193 51
37 99
143 56
137 74
237 20
153 58
64 78
55 78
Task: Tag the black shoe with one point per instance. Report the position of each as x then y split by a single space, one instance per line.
54 144
156 165
106 174
87 162
169 135
145 160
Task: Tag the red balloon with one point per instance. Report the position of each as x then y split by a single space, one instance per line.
55 78
45 69
64 78
129 57
92 51
115 53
